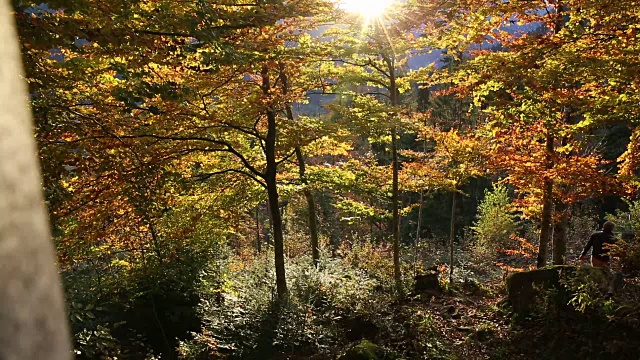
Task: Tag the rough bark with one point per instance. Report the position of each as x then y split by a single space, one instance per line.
32 310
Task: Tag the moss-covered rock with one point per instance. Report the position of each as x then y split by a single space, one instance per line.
523 288
483 333
366 350
358 328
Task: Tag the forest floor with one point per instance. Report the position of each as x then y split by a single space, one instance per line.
474 322
471 319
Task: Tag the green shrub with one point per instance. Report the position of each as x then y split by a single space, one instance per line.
366 350
128 307
626 252
495 222
248 322
627 222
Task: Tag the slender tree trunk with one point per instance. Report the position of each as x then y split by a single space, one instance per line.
395 223
547 196
418 231
155 241
420 207
560 235
561 228
274 209
311 206
258 242
403 203
547 206
272 192
452 235
559 239
278 237
419 224
332 226
267 232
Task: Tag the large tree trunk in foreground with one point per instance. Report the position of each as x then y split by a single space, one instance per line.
33 320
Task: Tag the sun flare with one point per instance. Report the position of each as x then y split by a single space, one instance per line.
366 8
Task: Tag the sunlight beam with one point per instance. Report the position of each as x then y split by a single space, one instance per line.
369 9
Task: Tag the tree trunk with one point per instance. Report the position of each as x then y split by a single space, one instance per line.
311 206
560 235
331 225
452 236
419 224
561 228
258 242
278 237
272 192
547 197
547 206
418 231
395 223
33 311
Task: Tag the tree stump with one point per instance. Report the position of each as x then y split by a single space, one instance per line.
428 283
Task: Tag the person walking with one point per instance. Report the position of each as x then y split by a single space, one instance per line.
600 258
598 240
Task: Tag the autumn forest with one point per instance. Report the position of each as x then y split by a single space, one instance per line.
340 179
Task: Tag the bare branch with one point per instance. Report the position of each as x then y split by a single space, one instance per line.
192 35
378 93
284 159
227 147
207 176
